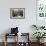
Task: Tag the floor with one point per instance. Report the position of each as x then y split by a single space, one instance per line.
13 44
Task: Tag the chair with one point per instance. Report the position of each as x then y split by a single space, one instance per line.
26 41
14 32
7 35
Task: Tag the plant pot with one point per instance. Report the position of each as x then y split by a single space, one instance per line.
40 41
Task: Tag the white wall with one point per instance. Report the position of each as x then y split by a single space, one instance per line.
23 24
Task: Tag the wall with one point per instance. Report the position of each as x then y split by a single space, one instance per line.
23 24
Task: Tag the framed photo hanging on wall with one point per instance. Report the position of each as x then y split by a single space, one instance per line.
17 13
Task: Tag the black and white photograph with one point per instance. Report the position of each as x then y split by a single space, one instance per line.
17 13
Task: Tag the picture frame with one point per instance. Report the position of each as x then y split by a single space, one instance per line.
17 13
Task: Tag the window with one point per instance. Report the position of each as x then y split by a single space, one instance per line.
41 8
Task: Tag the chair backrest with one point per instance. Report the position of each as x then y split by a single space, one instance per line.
14 30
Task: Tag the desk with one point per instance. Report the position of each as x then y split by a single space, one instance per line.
8 34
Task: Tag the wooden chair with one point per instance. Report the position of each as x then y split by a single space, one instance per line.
7 34
25 36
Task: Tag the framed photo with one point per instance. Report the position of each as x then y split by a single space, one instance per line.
17 13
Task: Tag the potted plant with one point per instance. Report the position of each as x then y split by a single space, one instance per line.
35 26
38 27
39 35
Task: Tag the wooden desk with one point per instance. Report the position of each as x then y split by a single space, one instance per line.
8 34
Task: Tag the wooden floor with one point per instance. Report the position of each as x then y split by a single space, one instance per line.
13 44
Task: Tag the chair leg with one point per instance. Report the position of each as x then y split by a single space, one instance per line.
5 43
5 40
